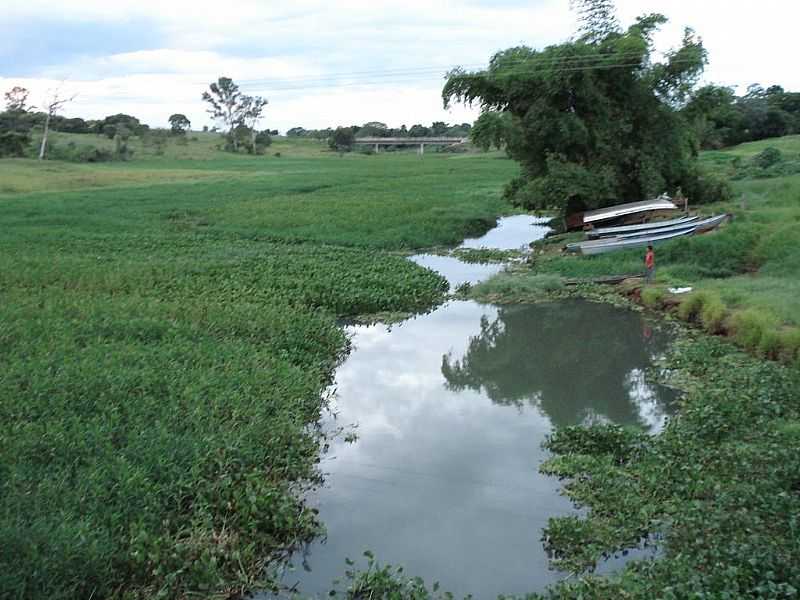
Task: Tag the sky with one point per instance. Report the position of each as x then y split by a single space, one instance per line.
324 63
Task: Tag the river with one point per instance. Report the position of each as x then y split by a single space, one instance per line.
450 410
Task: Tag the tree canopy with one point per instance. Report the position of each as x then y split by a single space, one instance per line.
491 129
595 119
720 118
179 124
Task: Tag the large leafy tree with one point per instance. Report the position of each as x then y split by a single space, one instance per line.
595 118
179 124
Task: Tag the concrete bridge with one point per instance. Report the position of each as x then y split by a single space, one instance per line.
409 141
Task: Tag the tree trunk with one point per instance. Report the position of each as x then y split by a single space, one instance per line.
43 147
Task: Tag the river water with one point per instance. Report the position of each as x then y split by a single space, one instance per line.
450 409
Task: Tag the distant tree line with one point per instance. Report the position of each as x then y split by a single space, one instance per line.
20 121
343 138
721 118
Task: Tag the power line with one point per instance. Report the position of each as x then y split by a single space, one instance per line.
529 61
414 78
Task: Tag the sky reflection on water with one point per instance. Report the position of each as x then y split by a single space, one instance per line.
451 409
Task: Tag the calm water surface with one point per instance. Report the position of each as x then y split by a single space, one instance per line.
451 409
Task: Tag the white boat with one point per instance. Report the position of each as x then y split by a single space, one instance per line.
623 210
601 232
625 242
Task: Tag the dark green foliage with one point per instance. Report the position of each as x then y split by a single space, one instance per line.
720 118
386 582
179 124
767 157
610 440
706 187
263 141
595 118
719 485
15 129
122 125
164 349
65 125
14 143
342 139
491 129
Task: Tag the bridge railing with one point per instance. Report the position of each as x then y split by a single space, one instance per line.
409 141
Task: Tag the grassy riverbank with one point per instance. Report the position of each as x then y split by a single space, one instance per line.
168 333
718 488
746 277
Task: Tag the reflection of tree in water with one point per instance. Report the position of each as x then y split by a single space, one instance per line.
572 360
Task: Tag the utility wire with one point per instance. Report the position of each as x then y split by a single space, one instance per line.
413 78
530 61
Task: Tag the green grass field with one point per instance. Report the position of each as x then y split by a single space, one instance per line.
168 332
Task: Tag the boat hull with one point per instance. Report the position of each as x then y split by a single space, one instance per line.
636 240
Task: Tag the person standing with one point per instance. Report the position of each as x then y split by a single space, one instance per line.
650 263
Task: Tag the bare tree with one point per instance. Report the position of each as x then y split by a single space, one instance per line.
55 103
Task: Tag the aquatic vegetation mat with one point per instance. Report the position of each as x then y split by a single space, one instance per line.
165 350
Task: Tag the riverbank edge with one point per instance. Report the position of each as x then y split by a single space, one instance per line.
713 375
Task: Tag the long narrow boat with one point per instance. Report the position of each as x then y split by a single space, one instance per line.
662 203
656 231
602 232
638 240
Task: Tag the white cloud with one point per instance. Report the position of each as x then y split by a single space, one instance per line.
356 60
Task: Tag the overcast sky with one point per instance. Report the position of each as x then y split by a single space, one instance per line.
336 62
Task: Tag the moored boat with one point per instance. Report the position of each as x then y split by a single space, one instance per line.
635 240
631 210
602 232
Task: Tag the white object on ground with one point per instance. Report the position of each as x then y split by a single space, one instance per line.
682 290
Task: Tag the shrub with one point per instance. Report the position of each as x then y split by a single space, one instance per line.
14 143
652 297
703 187
750 326
767 157
692 305
83 153
712 315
